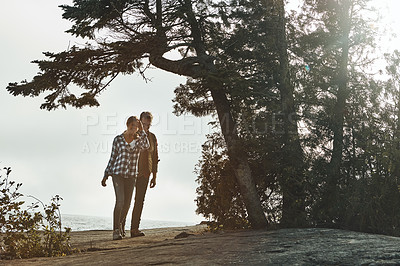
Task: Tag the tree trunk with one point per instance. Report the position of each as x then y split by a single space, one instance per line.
238 157
202 67
332 193
293 211
396 142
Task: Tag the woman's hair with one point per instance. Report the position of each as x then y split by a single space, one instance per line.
146 115
130 120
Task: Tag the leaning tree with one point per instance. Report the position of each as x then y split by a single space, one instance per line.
126 36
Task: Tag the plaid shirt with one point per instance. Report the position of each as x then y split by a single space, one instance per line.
124 158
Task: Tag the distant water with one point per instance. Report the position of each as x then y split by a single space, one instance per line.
84 223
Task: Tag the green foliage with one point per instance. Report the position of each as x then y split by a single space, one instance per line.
249 56
365 193
90 68
193 97
219 195
373 206
121 37
28 233
353 187
89 16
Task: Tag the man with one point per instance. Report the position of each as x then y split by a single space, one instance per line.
148 163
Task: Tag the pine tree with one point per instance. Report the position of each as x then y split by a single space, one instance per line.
261 93
334 44
139 31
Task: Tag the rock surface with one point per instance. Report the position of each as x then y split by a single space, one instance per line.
314 246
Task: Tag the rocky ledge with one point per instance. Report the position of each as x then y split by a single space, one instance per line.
194 246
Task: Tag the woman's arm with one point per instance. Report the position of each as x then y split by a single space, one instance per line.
143 141
113 157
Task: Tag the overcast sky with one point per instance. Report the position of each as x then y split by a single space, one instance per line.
65 152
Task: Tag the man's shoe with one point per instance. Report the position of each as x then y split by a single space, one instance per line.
117 235
136 233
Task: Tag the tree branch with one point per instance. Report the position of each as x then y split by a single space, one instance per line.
194 67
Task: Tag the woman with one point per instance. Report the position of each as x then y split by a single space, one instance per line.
123 167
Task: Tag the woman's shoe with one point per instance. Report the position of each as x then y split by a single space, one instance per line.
117 235
122 229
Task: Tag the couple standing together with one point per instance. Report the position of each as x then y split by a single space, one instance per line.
134 157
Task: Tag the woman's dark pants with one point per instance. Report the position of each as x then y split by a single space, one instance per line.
123 188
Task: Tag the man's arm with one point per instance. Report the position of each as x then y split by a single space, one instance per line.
155 161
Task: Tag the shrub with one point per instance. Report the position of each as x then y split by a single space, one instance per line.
27 233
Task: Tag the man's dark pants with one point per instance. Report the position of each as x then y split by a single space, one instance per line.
142 182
